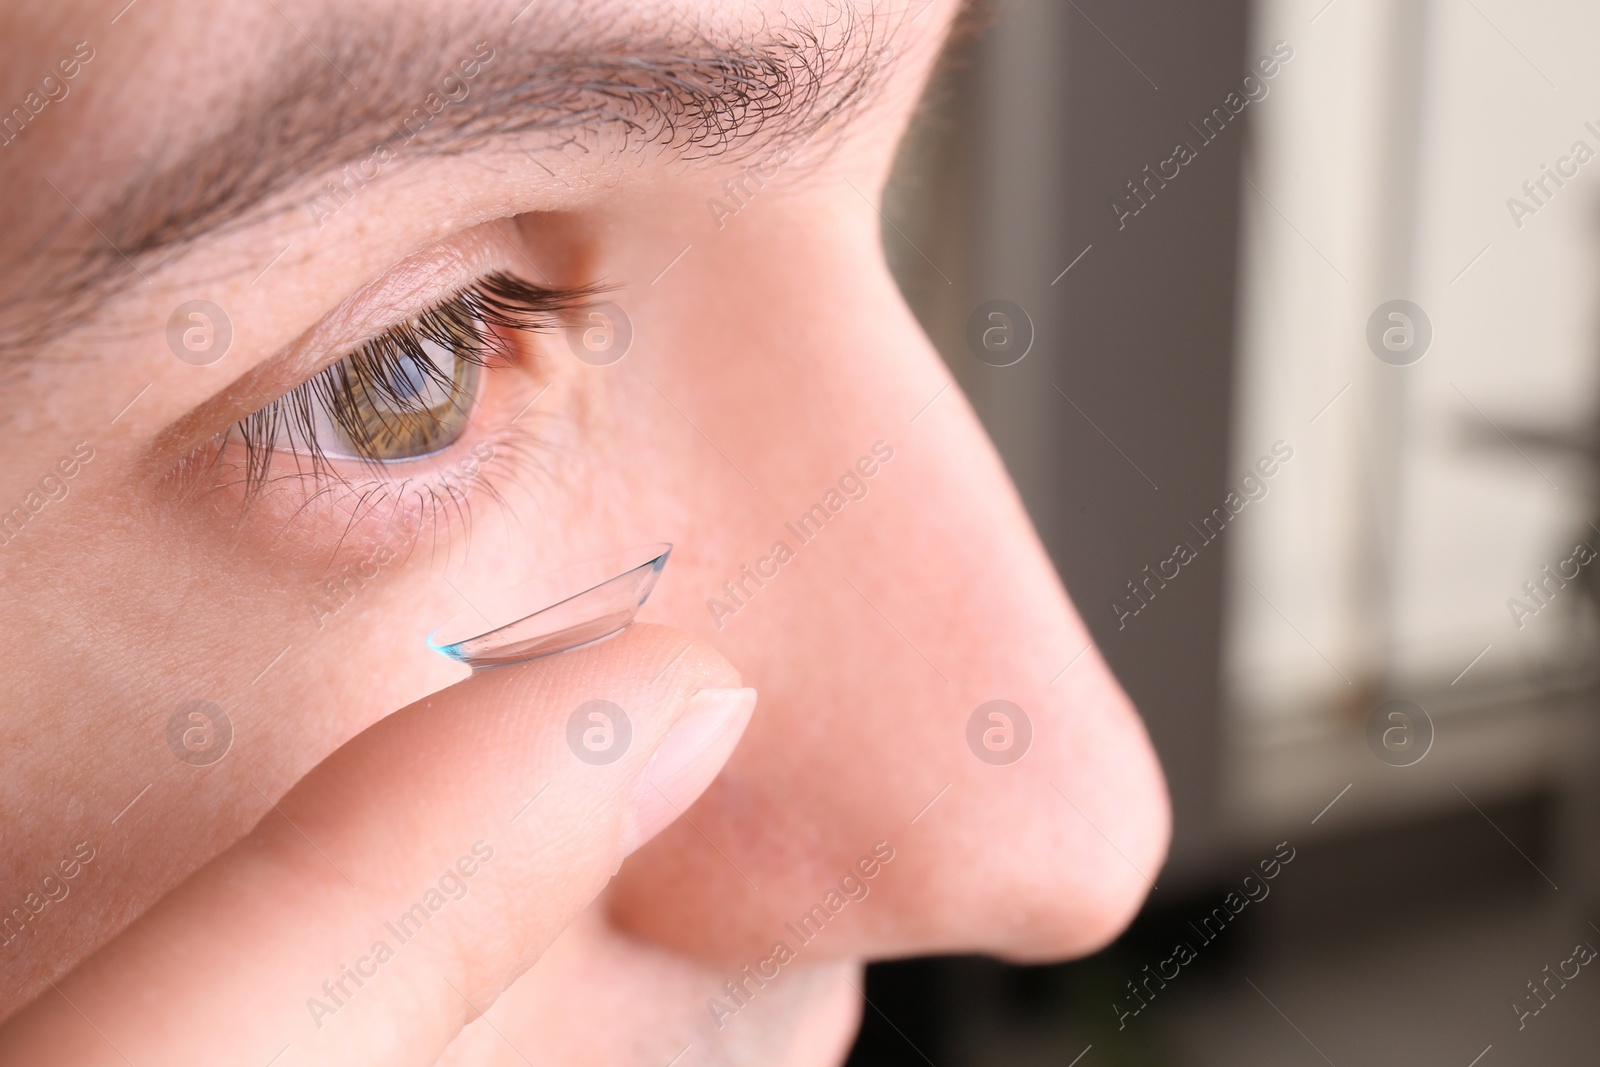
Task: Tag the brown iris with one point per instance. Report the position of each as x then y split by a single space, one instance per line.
398 405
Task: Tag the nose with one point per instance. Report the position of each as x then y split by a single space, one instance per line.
940 760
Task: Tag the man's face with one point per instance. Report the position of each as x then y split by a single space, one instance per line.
219 204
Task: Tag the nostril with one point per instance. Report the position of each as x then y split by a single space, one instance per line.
1097 840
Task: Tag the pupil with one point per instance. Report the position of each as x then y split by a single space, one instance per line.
408 379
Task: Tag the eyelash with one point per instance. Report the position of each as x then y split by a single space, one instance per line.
471 324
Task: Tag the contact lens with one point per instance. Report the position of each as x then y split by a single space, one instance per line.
567 608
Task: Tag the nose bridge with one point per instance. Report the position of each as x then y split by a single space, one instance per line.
951 530
962 559
1048 815
848 413
916 597
988 680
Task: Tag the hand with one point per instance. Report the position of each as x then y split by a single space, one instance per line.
406 881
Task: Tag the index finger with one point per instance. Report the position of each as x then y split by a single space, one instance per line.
399 887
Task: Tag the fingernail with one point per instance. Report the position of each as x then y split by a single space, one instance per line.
686 761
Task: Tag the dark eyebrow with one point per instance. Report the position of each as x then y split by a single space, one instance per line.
341 88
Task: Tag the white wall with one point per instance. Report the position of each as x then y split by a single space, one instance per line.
1385 554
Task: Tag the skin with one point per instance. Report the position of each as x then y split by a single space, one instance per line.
766 362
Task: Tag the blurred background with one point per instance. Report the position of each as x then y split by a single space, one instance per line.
1427 541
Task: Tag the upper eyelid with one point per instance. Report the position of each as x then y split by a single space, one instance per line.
379 308
499 298
420 282
334 345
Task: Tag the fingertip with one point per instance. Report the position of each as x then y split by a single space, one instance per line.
686 762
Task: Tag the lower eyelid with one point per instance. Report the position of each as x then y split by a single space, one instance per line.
342 511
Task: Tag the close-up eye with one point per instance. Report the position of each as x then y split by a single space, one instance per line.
410 391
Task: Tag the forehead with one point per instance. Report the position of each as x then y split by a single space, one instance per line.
183 87
162 122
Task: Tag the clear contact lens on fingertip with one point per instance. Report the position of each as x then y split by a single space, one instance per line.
573 606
